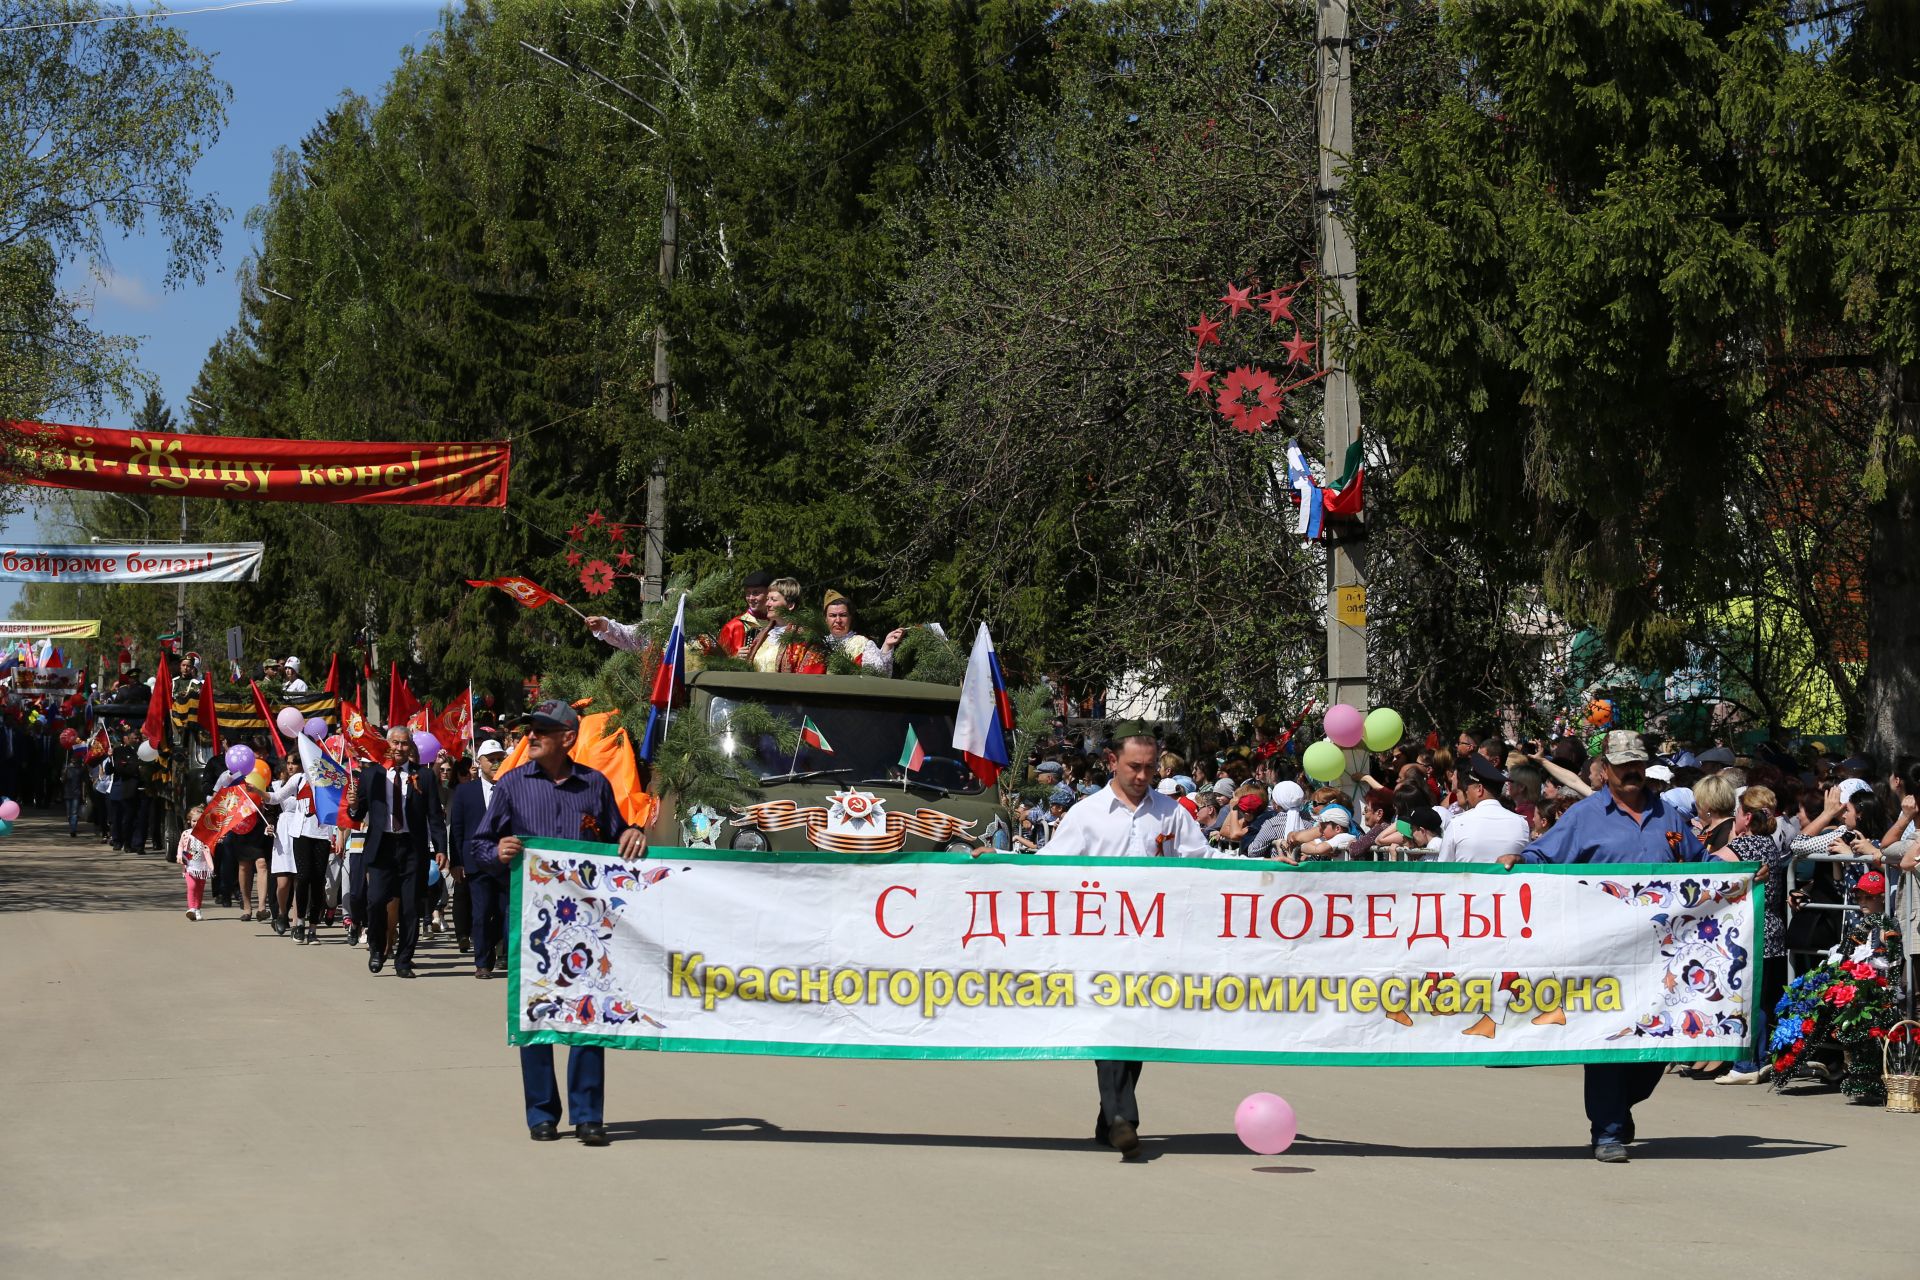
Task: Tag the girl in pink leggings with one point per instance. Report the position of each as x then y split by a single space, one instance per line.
196 864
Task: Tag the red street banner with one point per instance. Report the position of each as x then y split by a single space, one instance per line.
385 472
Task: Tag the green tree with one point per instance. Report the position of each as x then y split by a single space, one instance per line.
104 122
1593 265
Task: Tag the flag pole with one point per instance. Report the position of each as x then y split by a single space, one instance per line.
798 742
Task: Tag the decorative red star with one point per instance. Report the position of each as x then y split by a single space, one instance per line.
1235 300
596 520
597 577
1277 305
1249 399
622 560
1198 377
573 559
1207 331
575 532
1299 351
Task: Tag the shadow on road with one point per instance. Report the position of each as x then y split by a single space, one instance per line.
43 869
751 1129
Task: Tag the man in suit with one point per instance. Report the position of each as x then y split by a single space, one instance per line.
124 799
399 805
486 884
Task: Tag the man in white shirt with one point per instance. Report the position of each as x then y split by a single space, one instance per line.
1126 818
1484 830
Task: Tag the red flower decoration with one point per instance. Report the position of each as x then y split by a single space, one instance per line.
1841 994
622 560
597 577
573 559
1234 405
1198 377
1207 331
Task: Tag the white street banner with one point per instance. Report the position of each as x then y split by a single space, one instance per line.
136 562
939 955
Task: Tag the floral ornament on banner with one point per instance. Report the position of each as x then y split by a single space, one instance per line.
599 567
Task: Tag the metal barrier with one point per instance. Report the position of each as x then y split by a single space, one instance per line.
1898 884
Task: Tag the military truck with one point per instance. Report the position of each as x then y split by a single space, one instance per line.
846 792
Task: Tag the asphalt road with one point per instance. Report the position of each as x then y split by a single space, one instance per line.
210 1100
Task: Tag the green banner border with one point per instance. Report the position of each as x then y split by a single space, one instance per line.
1685 1052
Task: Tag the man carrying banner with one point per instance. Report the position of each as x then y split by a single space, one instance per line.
1126 818
1622 822
553 797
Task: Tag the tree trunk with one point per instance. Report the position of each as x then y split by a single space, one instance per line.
1890 693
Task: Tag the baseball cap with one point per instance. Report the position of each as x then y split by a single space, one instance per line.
1168 787
1659 773
1716 755
1425 818
554 714
490 747
1871 882
1624 747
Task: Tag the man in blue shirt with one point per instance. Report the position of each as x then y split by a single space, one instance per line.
551 796
1624 822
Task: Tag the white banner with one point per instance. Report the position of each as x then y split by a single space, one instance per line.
136 562
940 955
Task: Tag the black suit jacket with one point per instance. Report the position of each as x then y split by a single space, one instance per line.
423 812
463 819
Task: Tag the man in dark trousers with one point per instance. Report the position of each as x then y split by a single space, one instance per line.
398 804
486 885
553 797
124 800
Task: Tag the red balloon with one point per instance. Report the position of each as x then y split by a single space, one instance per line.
68 737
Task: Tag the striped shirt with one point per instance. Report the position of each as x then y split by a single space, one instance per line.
528 804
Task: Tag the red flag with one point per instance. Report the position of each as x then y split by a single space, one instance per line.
208 715
525 590
421 721
332 685
233 809
273 730
99 746
158 705
401 704
454 725
361 737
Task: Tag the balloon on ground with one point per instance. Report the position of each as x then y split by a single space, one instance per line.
290 721
1344 725
1323 761
1383 729
1265 1123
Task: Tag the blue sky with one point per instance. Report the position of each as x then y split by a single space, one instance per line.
287 63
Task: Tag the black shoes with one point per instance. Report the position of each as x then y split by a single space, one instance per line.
401 969
591 1135
353 936
545 1131
483 973
374 961
1123 1137
463 945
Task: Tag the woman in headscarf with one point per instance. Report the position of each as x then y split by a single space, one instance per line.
867 655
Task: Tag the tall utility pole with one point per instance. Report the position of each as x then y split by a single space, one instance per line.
1346 561
655 586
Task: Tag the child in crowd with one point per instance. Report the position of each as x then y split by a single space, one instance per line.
196 862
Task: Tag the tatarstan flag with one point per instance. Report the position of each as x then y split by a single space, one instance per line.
912 755
810 736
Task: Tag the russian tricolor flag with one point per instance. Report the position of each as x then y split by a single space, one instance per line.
983 725
1312 501
669 682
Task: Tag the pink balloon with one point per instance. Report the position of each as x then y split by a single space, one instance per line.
1265 1123
9 810
1345 725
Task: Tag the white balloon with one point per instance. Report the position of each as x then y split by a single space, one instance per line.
147 752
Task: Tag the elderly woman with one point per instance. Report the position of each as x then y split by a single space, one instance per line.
868 656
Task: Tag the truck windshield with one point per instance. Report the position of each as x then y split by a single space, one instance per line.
865 740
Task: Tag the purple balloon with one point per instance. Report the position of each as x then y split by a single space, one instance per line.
240 759
1265 1123
427 745
316 728
1345 725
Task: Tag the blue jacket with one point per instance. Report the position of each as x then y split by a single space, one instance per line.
463 819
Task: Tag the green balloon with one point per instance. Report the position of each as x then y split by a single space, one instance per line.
6 828
1324 761
1383 729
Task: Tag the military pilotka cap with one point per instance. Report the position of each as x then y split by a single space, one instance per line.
1624 747
1132 729
554 714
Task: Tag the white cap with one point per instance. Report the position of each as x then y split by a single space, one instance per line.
491 747
1168 787
293 664
1659 773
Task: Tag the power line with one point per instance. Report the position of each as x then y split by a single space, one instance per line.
156 16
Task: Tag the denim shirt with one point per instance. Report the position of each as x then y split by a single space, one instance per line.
1599 830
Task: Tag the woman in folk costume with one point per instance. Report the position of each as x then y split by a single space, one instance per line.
780 646
877 658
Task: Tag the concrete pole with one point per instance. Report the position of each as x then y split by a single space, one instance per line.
1346 563
653 589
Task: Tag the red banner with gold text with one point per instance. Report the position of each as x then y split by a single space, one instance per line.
387 472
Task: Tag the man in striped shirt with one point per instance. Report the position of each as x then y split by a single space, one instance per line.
553 797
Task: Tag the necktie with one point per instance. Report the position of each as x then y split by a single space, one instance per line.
393 805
